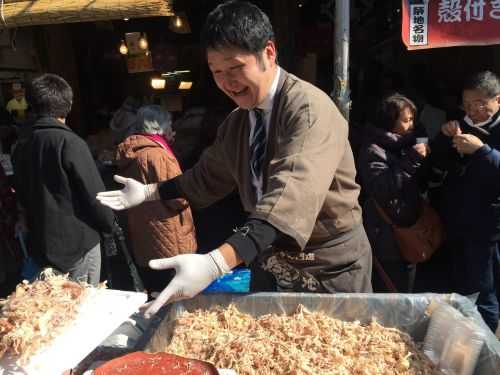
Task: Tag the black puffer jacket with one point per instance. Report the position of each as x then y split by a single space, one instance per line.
56 182
390 173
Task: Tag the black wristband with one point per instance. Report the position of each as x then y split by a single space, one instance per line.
253 238
168 190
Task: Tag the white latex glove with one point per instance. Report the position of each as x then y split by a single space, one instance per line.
133 194
193 273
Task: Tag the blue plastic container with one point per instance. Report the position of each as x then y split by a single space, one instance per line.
237 281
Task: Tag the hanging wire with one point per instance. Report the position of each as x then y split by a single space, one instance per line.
13 39
2 14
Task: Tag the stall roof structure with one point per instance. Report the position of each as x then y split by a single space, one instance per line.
16 13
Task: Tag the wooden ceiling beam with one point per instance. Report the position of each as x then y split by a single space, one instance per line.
43 12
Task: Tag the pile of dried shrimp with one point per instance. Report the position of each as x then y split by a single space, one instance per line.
35 313
303 343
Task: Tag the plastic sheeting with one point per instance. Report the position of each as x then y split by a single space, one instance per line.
407 312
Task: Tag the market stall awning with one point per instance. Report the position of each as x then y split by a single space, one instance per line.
42 12
431 24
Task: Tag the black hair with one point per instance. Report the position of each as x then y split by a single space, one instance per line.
485 81
390 108
50 95
237 24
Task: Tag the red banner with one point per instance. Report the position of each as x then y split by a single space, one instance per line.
447 23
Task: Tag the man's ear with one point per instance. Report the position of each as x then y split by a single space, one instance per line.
271 51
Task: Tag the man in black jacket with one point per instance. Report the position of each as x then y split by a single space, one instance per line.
56 181
467 152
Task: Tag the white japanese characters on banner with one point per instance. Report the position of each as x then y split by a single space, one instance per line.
446 23
468 10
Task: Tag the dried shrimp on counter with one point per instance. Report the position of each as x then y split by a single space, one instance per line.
303 343
35 313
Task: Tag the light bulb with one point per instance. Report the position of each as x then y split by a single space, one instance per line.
143 43
178 21
158 83
123 48
185 85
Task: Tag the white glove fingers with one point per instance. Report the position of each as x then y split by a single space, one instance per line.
111 193
109 199
113 205
117 207
116 201
164 263
164 298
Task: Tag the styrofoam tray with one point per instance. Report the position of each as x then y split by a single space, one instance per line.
100 314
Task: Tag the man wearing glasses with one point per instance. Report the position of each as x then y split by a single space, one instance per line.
468 153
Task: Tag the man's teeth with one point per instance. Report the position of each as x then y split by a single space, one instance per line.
239 92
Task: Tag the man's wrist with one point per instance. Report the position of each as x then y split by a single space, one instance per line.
151 192
220 262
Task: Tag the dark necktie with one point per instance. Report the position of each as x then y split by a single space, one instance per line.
258 144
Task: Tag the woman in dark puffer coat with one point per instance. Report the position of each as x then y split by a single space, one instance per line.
390 168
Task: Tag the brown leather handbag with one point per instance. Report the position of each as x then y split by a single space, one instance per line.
420 241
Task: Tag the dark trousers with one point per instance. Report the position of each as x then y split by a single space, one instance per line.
477 270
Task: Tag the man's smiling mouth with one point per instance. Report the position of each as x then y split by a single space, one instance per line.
239 93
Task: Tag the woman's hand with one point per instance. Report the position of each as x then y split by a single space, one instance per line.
422 149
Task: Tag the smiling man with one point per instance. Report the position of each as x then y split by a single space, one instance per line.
285 149
468 154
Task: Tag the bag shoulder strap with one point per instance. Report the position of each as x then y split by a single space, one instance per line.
382 213
423 204
384 276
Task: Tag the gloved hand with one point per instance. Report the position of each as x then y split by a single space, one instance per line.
193 273
133 194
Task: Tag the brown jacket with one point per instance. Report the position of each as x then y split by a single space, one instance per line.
162 228
309 190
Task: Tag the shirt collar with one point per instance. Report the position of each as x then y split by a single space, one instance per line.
469 121
267 103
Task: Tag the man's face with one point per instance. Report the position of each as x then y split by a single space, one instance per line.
479 106
241 75
18 94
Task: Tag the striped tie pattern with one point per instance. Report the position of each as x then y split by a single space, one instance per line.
258 144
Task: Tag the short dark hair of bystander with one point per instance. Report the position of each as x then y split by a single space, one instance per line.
50 95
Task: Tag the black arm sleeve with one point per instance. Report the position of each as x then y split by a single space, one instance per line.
253 238
168 190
